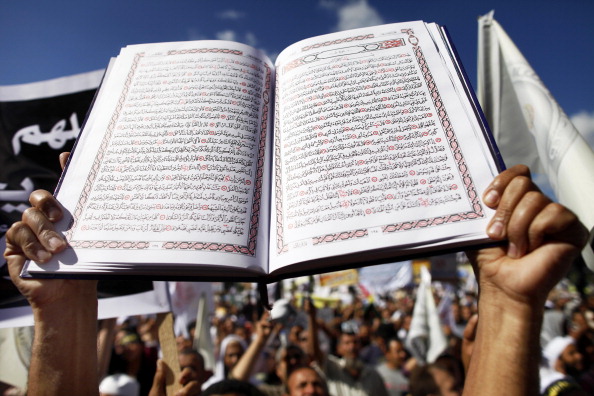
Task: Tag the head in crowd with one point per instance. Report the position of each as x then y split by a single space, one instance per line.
395 355
432 380
561 355
191 359
348 347
231 387
119 385
305 381
295 333
192 329
232 348
183 342
288 358
128 345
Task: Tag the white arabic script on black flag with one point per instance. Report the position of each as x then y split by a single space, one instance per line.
37 122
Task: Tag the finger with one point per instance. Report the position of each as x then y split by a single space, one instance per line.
509 198
185 375
63 157
13 252
21 240
468 338
470 329
557 223
159 378
190 389
520 231
494 191
43 229
45 201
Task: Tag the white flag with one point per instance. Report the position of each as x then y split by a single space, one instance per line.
425 339
530 127
202 341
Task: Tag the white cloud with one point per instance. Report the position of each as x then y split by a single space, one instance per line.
229 35
356 14
194 34
231 14
250 39
584 122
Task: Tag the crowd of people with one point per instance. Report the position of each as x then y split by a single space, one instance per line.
347 349
499 352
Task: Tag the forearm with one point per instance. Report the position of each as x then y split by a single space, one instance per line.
506 354
64 355
313 345
243 369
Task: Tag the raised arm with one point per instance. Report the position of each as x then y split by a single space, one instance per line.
514 279
64 355
264 328
313 349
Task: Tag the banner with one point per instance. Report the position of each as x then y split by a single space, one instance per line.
425 339
529 125
382 279
116 298
339 278
38 121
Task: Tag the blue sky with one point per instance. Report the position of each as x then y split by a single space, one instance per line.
43 39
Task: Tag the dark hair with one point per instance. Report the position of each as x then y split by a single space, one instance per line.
232 386
422 382
191 326
323 381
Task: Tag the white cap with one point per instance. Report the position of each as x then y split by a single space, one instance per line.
555 348
120 385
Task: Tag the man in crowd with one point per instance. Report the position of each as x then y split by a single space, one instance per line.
391 369
542 238
345 374
562 367
305 381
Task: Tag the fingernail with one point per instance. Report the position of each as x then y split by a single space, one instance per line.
53 213
491 198
55 242
42 255
496 230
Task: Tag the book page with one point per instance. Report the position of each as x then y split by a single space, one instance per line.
375 147
171 164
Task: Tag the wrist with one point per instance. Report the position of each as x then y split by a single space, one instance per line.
496 302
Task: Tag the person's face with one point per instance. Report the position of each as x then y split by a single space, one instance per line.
294 333
232 354
445 382
195 365
466 312
396 354
348 346
183 342
305 382
129 350
571 360
406 322
290 359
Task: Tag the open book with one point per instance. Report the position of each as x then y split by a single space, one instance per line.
203 159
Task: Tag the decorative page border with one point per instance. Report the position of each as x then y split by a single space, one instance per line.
355 49
469 186
476 212
249 248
